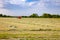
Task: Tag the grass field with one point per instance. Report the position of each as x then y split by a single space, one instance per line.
30 28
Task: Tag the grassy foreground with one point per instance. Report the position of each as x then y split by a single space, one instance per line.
30 28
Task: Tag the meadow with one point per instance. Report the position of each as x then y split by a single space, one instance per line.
30 28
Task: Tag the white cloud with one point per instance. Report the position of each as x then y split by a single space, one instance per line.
22 2
17 2
56 2
31 3
39 7
1 3
5 11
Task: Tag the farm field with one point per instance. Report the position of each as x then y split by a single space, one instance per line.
30 28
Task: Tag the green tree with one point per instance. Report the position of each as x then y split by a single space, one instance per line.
4 16
34 15
1 15
46 15
56 16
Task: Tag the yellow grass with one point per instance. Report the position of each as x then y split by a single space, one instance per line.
24 26
30 23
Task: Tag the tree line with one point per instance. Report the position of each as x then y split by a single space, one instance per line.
35 15
1 15
45 15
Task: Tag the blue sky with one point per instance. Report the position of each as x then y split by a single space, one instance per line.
27 7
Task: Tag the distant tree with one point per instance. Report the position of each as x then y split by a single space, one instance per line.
25 16
4 15
56 16
1 15
34 15
46 15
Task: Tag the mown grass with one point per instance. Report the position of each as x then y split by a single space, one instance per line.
28 37
30 28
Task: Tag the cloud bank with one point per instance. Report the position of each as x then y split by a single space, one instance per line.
26 7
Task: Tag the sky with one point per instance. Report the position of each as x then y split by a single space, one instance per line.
28 7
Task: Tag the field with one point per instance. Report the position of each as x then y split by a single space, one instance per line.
30 28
